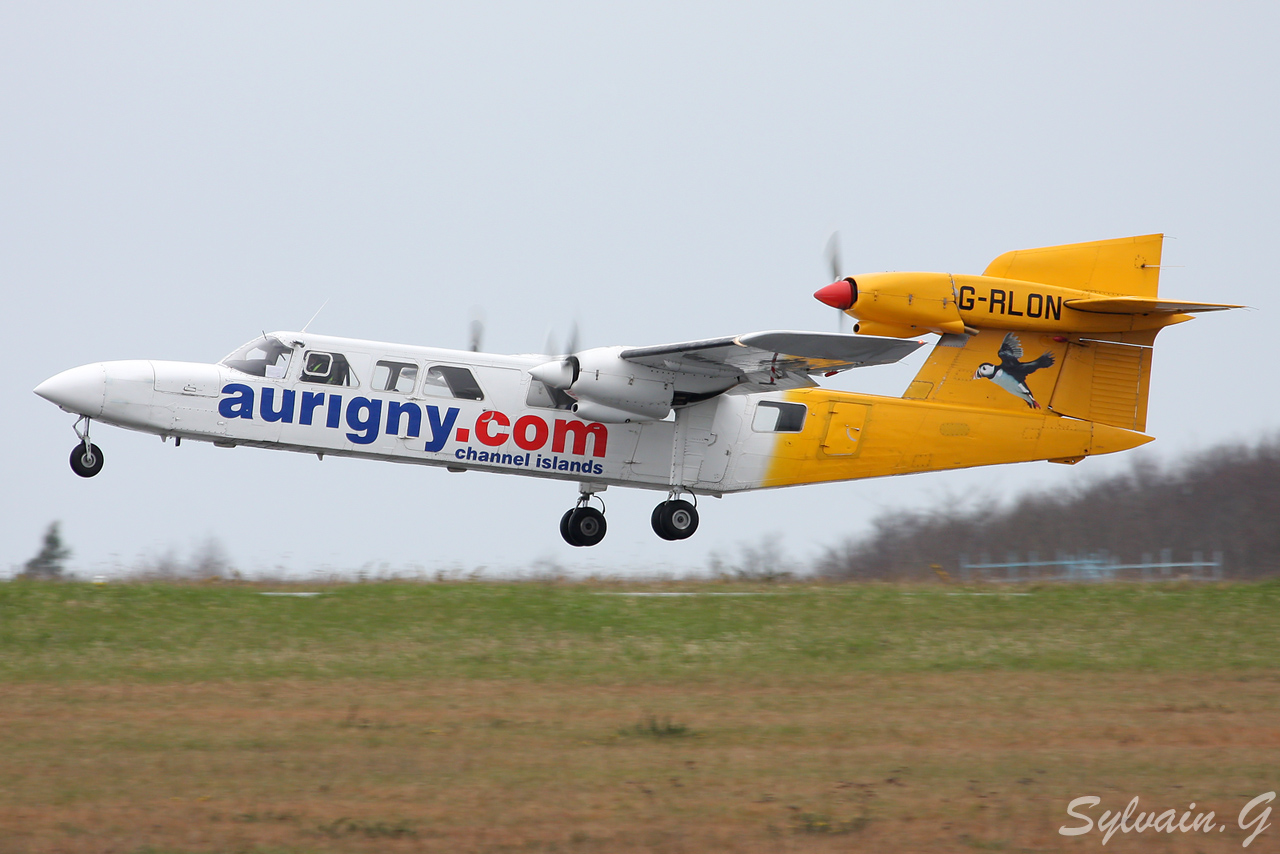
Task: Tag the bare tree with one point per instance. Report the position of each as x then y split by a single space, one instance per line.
1225 499
47 565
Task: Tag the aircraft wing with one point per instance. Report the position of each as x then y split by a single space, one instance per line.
776 359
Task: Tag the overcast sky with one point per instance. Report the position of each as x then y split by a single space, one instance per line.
177 177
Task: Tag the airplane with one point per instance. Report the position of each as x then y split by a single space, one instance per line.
700 418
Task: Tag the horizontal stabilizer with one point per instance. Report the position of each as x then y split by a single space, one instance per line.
1143 305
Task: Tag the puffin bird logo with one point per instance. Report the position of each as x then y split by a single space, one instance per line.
1010 374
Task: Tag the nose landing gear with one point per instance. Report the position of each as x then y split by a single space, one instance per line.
674 519
584 525
86 457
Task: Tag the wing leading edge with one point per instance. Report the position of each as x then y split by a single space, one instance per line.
774 359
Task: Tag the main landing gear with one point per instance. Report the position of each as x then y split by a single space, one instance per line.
86 457
584 525
674 519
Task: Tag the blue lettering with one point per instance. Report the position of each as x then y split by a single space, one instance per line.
268 411
372 410
395 409
240 406
310 401
440 430
335 412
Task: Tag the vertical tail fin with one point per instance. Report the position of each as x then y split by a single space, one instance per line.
1088 378
1100 376
1124 266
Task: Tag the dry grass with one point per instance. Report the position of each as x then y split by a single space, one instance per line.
955 761
188 719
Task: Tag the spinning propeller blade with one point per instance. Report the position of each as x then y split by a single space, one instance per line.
836 264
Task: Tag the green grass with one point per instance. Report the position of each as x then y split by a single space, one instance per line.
168 632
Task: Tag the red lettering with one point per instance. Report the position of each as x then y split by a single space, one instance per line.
521 432
580 430
482 428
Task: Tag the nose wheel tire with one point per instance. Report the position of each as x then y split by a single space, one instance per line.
674 520
583 526
86 462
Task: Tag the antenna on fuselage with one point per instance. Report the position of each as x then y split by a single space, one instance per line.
317 314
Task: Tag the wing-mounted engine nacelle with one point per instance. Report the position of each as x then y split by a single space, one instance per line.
588 411
609 389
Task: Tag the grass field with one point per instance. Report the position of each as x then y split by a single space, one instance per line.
568 718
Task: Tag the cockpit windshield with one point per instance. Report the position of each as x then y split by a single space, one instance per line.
264 357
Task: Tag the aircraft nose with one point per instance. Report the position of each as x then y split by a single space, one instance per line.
82 390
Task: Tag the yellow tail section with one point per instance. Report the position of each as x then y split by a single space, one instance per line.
1085 373
1106 381
1089 378
1125 266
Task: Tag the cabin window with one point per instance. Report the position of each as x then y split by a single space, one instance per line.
263 357
395 376
773 417
446 380
327 368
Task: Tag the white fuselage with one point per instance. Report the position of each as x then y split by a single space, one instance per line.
392 402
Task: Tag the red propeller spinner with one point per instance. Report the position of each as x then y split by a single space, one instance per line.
839 294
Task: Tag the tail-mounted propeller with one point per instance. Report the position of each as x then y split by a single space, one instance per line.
833 256
842 291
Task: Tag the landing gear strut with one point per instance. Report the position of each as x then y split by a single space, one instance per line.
674 519
86 457
584 525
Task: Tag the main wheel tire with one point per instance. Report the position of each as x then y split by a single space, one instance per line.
587 526
655 520
679 519
565 530
86 464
